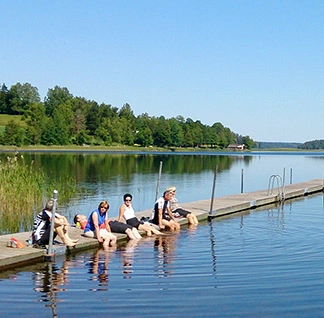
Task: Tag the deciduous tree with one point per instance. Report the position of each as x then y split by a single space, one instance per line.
22 96
55 97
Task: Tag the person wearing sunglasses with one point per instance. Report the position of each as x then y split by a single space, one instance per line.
100 217
98 226
127 212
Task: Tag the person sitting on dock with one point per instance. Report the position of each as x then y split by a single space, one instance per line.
127 212
98 227
42 227
178 210
162 215
98 220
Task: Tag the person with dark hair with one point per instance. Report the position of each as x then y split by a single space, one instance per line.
178 210
42 227
127 212
162 215
80 220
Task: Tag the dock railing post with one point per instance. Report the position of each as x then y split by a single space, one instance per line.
50 243
242 177
213 192
158 182
283 177
283 184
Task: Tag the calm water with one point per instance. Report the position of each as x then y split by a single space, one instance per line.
260 264
266 263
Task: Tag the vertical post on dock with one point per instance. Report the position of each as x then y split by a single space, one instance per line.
242 177
284 177
158 182
213 192
290 175
50 243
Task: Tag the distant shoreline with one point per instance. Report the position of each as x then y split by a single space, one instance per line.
134 149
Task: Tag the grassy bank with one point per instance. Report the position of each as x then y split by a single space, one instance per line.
119 148
4 120
114 148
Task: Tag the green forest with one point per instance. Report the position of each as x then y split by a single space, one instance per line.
312 145
64 119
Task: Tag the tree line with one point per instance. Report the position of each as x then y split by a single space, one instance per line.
313 145
64 119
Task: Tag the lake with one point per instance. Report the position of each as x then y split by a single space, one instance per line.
261 263
108 176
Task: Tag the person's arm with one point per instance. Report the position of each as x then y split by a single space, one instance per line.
96 225
160 219
170 214
107 225
172 204
121 213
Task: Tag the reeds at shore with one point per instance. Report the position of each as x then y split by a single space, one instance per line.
23 193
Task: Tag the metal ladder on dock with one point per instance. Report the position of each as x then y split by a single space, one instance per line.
280 185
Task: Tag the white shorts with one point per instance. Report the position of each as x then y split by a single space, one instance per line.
103 234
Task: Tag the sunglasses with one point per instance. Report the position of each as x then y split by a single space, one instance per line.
128 200
104 207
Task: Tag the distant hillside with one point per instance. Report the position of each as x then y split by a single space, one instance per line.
314 144
274 145
4 119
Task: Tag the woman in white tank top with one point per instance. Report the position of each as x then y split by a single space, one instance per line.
127 212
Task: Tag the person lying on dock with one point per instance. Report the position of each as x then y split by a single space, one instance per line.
162 215
80 220
127 212
178 210
42 227
120 227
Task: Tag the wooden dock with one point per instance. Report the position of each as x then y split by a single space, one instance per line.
13 257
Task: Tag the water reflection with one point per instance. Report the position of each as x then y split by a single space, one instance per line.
90 167
127 257
164 247
213 248
98 268
276 216
49 281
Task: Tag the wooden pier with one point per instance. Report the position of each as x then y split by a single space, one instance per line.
14 257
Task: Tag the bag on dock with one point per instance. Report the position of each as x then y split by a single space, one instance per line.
15 243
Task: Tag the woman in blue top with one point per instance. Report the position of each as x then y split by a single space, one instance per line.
98 226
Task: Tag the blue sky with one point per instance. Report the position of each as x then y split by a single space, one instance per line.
255 66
